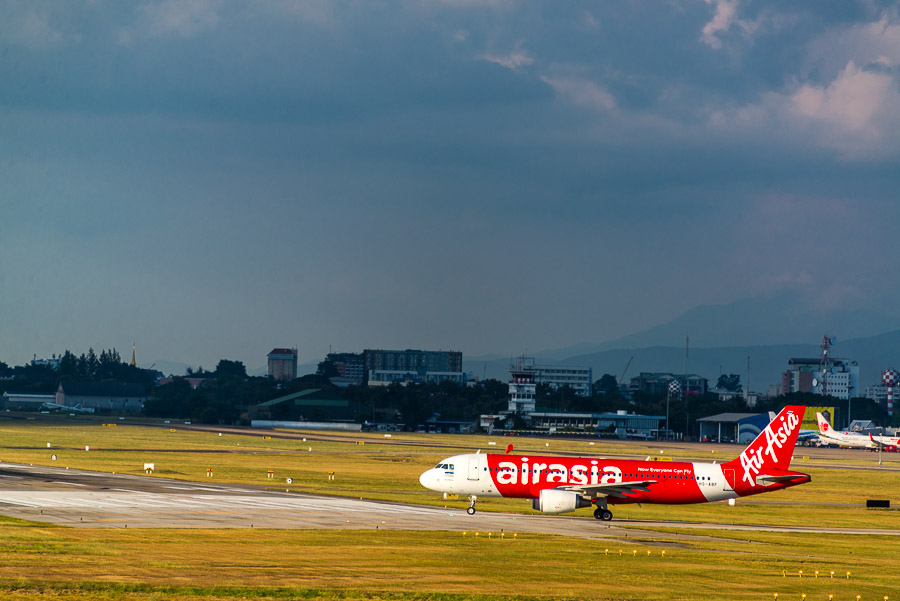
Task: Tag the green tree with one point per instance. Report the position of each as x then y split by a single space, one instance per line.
730 382
230 369
326 369
607 383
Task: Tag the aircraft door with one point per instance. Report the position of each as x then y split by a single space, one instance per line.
475 463
728 485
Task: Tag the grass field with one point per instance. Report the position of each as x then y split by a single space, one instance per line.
53 562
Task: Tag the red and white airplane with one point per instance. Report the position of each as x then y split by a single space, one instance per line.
829 435
562 484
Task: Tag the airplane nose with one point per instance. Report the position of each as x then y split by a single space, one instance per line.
427 479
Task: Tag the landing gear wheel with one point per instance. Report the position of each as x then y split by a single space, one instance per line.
470 511
603 514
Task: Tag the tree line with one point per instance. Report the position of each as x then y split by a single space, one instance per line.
227 392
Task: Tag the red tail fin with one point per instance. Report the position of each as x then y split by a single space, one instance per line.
773 448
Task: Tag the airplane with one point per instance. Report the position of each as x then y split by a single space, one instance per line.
564 484
887 443
844 439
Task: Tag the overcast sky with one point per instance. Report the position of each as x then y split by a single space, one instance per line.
214 179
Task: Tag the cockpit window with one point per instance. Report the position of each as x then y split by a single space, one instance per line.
444 466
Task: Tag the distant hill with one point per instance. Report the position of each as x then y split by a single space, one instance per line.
785 318
874 354
769 330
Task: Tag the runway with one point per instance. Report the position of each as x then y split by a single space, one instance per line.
85 499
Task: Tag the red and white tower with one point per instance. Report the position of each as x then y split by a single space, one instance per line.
889 378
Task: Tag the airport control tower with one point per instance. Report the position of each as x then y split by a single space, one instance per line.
522 387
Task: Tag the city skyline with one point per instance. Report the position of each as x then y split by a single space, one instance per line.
215 179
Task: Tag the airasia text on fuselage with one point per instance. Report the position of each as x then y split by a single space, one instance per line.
537 471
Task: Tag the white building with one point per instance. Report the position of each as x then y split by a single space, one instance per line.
838 378
522 390
578 378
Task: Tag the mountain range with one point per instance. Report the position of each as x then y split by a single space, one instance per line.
758 334
711 340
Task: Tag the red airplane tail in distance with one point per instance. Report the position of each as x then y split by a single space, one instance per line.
561 484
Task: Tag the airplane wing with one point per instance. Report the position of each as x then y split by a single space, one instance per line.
612 489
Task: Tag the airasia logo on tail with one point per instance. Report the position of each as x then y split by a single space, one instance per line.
766 452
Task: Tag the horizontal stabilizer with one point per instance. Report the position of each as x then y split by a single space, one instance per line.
766 480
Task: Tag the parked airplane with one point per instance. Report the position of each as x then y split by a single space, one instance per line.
888 443
844 439
563 484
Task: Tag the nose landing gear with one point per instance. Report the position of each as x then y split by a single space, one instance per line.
471 509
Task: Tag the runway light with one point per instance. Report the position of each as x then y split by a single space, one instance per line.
848 575
832 573
817 573
664 553
801 574
606 551
648 553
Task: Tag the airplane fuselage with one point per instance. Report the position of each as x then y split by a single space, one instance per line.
525 477
562 484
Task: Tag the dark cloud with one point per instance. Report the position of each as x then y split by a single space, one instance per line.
217 178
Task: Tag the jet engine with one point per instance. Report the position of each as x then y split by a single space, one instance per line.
553 500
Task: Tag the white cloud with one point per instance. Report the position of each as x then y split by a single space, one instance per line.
581 92
319 12
869 44
30 27
723 19
514 60
853 103
182 17
856 114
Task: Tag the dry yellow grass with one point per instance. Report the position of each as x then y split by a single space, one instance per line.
40 561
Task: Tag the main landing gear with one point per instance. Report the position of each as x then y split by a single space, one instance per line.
602 513
471 509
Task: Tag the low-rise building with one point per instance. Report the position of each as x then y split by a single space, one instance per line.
622 423
657 383
385 367
103 397
15 401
